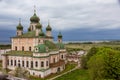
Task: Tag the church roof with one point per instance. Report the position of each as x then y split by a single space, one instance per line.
59 35
50 45
19 53
42 48
60 46
48 28
34 18
29 34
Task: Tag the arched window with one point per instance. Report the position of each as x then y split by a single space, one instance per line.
42 64
17 33
11 62
53 60
14 62
31 64
36 64
22 48
22 63
27 64
62 56
46 63
15 48
29 48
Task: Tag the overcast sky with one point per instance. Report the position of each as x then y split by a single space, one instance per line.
64 15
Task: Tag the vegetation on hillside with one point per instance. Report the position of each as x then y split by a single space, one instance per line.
7 46
102 63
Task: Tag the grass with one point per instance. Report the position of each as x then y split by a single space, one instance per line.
87 47
78 74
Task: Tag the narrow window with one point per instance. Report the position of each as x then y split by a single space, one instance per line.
46 63
27 64
22 63
17 33
7 62
62 56
14 62
22 48
53 60
36 64
31 64
29 48
15 48
42 64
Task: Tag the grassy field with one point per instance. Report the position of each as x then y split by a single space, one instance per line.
89 46
78 74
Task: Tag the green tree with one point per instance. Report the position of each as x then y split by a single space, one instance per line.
85 59
105 64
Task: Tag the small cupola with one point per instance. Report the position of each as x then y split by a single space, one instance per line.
48 28
59 35
19 27
34 18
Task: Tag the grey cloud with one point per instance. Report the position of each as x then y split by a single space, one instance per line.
63 14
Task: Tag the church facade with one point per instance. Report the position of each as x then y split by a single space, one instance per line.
35 50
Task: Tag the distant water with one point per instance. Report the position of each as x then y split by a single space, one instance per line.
8 42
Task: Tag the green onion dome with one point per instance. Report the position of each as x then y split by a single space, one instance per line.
42 48
38 26
34 18
19 27
48 28
60 46
59 35
41 34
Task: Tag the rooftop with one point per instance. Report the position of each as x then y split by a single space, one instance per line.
19 53
29 34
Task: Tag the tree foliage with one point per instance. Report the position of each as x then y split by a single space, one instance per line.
105 64
85 59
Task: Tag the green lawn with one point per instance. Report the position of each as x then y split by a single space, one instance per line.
78 74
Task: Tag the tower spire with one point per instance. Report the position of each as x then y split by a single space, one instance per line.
19 20
34 9
48 22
